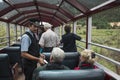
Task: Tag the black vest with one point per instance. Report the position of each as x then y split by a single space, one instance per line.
32 50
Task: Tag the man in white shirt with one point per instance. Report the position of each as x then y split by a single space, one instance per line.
49 39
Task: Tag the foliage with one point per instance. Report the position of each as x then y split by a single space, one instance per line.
3 34
102 20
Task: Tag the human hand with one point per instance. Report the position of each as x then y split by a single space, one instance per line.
41 61
42 56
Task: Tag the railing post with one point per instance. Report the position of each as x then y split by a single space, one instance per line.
117 69
16 31
24 28
62 31
8 33
88 32
74 27
20 30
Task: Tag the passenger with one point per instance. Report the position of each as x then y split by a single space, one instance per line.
40 31
86 60
30 51
49 39
69 40
56 57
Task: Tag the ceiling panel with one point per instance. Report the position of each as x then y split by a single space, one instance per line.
91 3
10 14
27 8
70 9
3 5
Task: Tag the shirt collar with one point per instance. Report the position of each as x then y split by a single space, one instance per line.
30 32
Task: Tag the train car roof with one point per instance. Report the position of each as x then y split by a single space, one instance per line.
55 12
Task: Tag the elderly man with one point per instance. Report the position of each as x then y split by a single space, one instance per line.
56 57
49 39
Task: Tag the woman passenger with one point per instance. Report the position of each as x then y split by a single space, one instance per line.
86 60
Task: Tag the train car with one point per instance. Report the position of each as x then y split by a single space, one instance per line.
87 18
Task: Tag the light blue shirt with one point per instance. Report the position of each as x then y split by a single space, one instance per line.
25 41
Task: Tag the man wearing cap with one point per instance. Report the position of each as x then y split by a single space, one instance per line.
30 51
49 39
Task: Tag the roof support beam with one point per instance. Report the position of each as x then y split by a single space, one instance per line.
63 20
18 21
35 2
11 5
105 7
56 10
30 16
102 8
66 13
28 12
44 19
45 5
5 11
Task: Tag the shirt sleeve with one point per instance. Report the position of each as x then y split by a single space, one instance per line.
25 43
77 37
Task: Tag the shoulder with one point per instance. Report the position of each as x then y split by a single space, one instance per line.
72 34
25 36
64 35
44 33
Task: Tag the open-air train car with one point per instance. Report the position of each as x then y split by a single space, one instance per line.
14 19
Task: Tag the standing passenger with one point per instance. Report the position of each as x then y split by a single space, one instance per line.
69 40
49 39
30 51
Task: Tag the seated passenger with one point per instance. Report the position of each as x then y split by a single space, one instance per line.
86 60
56 57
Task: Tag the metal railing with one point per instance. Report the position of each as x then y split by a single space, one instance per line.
113 74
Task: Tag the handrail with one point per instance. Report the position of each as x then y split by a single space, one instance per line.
4 42
109 72
80 47
106 47
3 37
109 59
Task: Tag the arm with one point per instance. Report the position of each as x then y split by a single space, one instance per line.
25 43
30 57
77 37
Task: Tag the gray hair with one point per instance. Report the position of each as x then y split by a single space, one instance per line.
47 25
57 54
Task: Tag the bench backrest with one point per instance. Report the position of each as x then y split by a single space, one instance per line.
71 59
5 70
14 54
91 74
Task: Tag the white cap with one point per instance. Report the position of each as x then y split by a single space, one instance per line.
47 25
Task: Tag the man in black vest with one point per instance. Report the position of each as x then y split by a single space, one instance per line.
30 51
